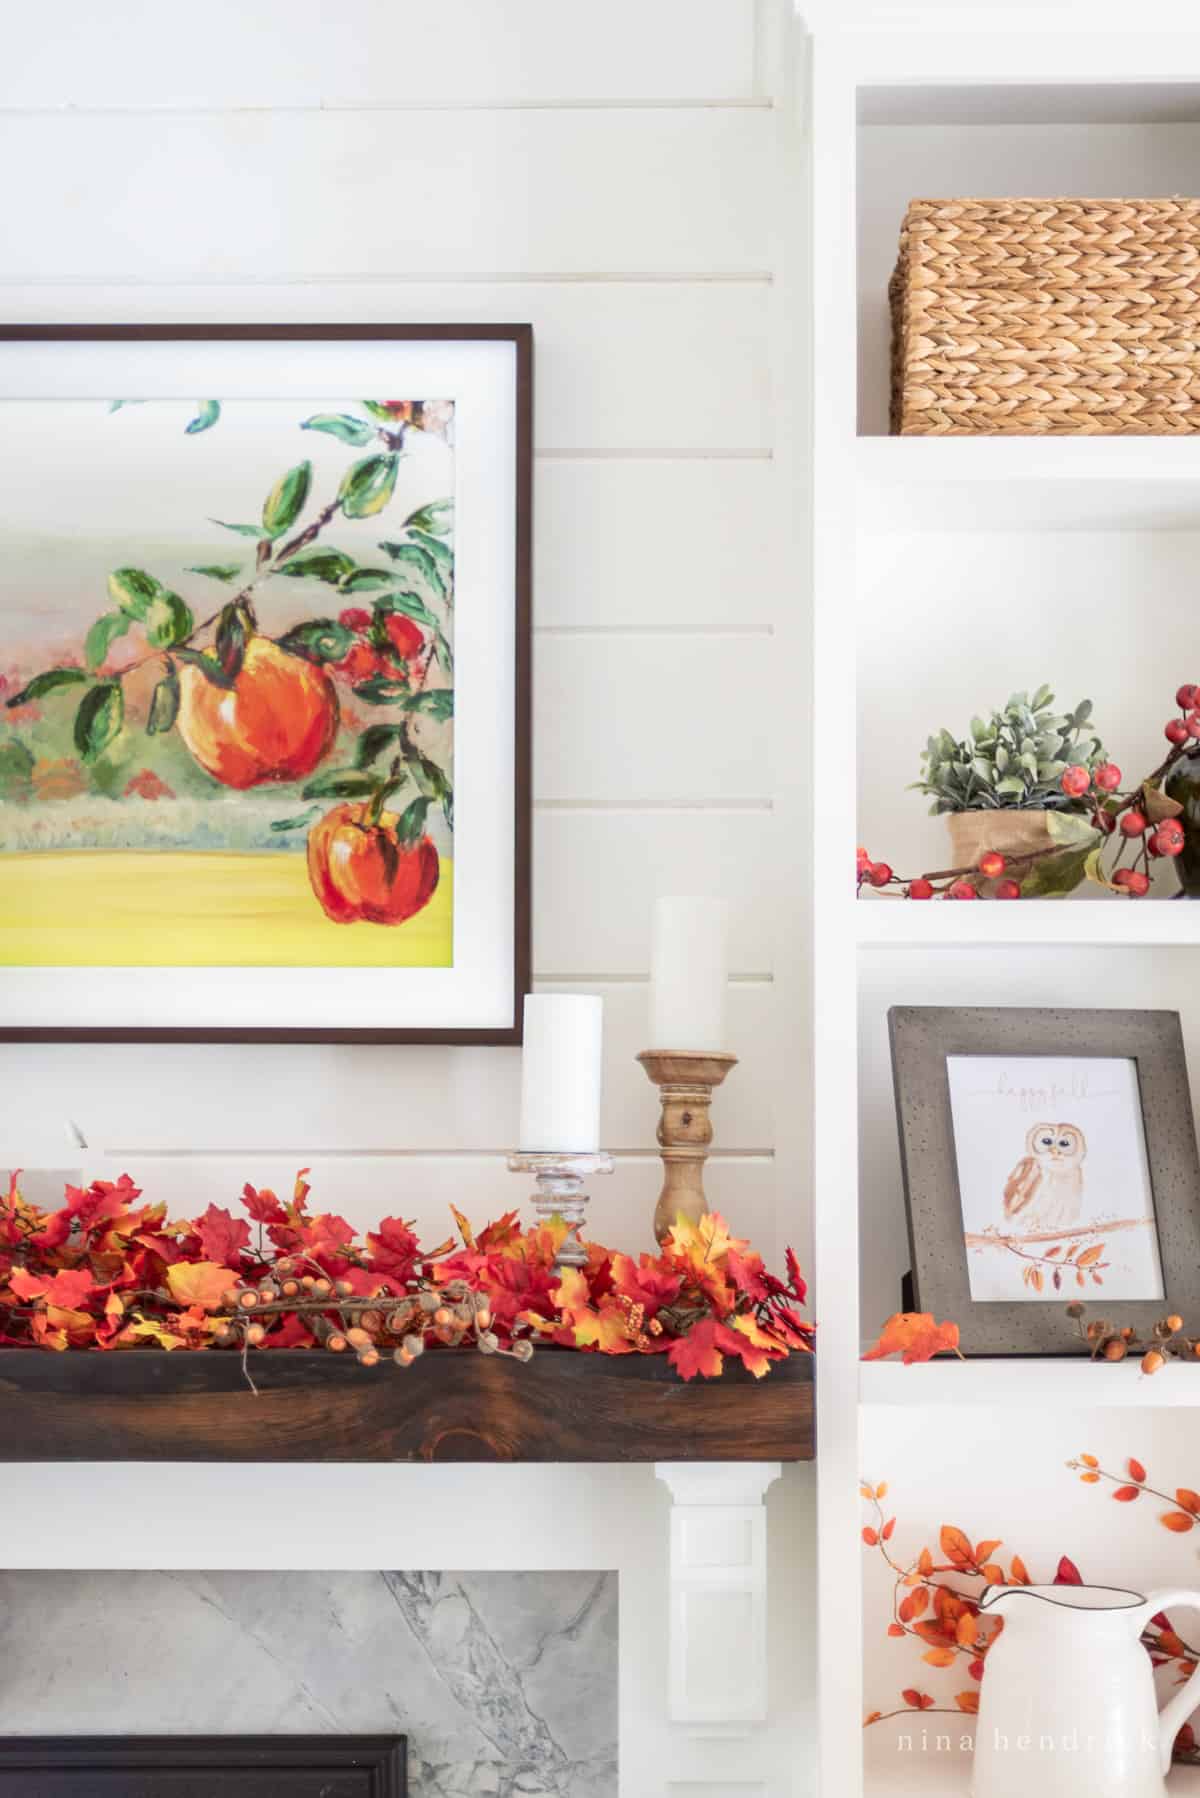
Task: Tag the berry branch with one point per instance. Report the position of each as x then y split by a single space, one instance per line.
1143 820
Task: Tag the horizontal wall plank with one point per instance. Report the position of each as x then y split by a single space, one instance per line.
541 50
597 875
317 1097
301 53
638 367
325 194
652 718
422 1190
654 543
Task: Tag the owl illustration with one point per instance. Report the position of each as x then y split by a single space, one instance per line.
1045 1189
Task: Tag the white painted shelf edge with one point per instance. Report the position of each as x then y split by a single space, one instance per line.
904 1774
1024 923
1045 1381
1028 483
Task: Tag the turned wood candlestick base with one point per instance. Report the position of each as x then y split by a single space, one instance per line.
685 1079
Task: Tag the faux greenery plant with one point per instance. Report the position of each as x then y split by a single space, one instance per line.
1014 759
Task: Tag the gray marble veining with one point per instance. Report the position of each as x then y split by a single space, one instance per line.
505 1683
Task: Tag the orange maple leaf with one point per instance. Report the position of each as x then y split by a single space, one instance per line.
759 1349
916 1336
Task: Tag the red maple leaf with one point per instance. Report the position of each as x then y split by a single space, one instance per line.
222 1236
54 1230
701 1350
796 1279
262 1205
292 1333
746 1272
643 1282
394 1247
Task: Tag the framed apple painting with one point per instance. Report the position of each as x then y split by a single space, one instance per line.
264 682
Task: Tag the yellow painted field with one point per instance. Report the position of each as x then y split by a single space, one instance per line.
134 908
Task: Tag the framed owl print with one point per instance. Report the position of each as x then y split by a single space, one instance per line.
1047 1156
264 682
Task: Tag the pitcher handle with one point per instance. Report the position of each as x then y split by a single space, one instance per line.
1178 1709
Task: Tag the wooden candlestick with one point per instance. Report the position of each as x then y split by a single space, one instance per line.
685 1079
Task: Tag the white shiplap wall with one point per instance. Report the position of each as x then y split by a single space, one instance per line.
609 174
610 177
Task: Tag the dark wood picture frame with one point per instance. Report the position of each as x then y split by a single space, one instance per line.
922 1037
521 337
239 1766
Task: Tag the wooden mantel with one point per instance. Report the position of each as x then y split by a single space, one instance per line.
561 1406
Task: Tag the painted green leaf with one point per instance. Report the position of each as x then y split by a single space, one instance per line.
318 565
342 425
438 518
299 822
409 604
164 706
230 641
340 783
168 621
103 634
363 580
133 590
412 555
374 741
50 682
427 775
287 499
207 664
16 770
377 689
438 704
99 719
368 485
318 640
216 571
411 825
441 552
378 409
210 411
243 530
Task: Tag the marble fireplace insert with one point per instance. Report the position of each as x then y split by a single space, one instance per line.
504 1684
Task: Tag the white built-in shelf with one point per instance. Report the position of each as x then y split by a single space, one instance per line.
1028 483
893 1774
1071 1382
1025 923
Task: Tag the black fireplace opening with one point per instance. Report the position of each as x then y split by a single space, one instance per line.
203 1767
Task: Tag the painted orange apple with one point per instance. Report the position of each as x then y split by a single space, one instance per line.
276 722
362 872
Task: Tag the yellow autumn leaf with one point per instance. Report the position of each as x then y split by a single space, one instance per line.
199 1282
572 1295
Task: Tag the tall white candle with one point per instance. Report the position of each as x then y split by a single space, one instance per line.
689 974
560 1073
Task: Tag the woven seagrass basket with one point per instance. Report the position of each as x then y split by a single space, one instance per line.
1047 318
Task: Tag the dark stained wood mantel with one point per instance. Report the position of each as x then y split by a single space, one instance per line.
147 1405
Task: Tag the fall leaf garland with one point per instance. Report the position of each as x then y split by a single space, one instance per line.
935 1597
104 1272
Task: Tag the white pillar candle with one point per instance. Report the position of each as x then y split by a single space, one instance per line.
689 974
560 1073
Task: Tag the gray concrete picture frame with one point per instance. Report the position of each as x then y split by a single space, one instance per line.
922 1037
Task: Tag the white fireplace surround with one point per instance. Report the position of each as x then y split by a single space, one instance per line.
716 1673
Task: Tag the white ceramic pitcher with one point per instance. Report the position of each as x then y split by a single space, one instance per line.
1068 1705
